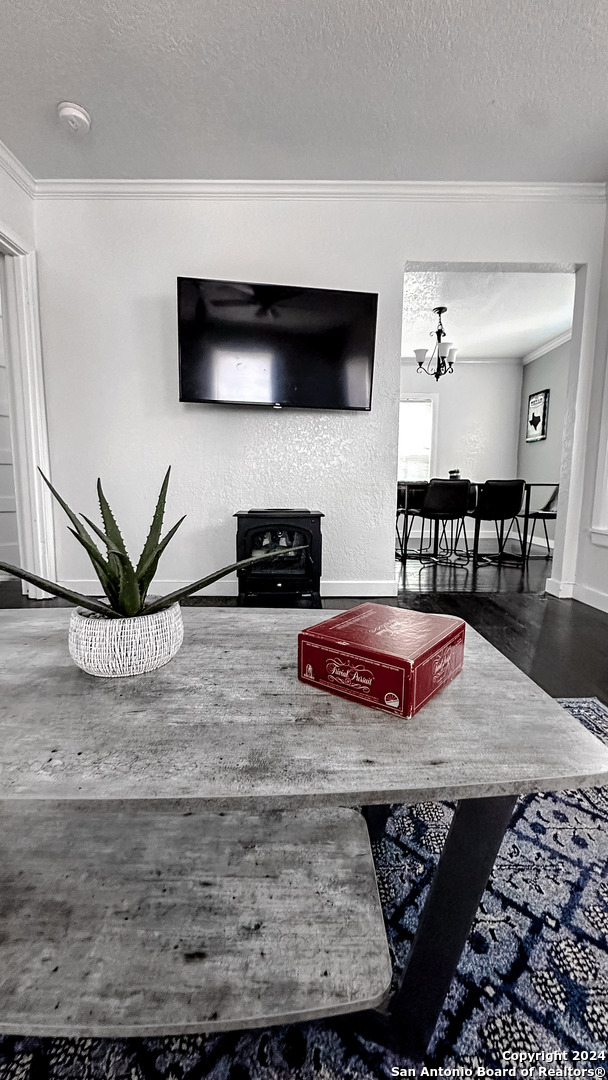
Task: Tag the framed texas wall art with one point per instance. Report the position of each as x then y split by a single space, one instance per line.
538 408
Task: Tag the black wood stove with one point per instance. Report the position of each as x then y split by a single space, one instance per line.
294 578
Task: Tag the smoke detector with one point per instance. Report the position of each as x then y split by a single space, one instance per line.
74 117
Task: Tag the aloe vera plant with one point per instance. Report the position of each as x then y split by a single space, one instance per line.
125 585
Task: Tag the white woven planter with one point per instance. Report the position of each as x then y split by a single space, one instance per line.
112 648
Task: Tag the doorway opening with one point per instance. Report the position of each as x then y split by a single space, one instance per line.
516 332
27 425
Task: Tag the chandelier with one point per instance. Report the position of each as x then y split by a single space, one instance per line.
441 360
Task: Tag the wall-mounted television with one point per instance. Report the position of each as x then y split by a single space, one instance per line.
278 345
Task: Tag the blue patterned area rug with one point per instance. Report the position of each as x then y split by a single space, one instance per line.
533 977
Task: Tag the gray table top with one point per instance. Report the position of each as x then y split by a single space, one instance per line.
227 723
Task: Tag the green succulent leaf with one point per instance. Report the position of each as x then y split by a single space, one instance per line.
100 566
79 527
109 581
129 594
112 549
100 533
153 538
180 594
145 575
58 590
115 557
109 522
112 532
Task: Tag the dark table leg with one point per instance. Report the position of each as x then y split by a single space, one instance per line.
403 537
376 818
476 542
472 844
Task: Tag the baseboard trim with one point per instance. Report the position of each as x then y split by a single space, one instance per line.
563 590
228 586
593 597
484 534
539 544
571 590
487 534
359 588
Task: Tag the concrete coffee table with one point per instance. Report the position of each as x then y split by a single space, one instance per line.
166 838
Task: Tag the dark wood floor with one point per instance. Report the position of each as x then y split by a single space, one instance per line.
560 644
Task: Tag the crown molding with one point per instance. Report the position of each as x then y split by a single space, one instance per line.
17 172
553 343
394 190
548 346
514 360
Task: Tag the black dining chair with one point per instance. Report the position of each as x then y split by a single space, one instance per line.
410 497
499 501
548 512
461 529
444 501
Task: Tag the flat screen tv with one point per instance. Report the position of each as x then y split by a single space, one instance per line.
277 345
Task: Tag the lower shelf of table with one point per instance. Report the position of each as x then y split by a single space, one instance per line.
125 919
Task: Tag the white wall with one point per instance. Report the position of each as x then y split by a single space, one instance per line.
477 417
541 462
107 270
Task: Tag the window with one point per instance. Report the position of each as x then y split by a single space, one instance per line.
415 437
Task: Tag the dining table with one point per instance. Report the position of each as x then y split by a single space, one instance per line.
410 496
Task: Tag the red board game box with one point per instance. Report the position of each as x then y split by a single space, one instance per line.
388 658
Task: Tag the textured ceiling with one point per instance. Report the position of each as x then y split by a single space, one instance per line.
309 89
490 315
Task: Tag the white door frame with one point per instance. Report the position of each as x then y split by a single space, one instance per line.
27 408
